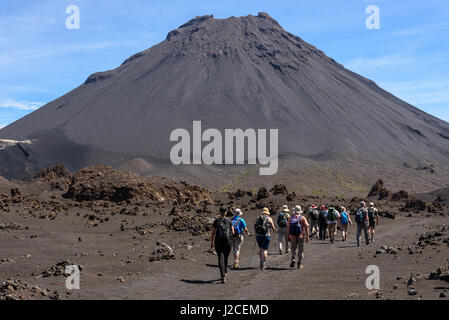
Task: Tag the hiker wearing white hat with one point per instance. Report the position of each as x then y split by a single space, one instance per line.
263 237
298 231
237 239
282 221
373 219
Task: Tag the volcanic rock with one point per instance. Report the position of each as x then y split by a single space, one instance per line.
415 204
162 252
378 190
262 194
279 189
400 195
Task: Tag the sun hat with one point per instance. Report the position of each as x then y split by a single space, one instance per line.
238 212
297 209
314 206
371 204
285 208
362 203
266 211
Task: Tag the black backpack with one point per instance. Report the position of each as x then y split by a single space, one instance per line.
223 229
360 216
371 213
332 215
314 214
324 215
282 219
262 225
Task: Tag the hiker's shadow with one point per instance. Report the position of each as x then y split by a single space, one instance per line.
229 267
278 269
199 281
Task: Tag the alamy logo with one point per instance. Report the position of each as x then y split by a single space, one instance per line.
234 141
372 22
73 20
73 280
373 280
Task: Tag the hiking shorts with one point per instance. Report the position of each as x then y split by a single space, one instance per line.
237 242
372 223
263 241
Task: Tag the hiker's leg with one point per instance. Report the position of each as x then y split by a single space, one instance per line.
300 250
237 245
365 231
294 244
226 252
287 243
280 239
220 256
234 249
263 256
359 233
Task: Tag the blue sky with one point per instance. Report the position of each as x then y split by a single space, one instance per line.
40 59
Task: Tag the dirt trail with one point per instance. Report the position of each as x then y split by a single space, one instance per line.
330 271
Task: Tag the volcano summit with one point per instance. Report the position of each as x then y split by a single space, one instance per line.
245 72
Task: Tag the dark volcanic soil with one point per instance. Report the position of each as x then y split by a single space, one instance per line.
151 247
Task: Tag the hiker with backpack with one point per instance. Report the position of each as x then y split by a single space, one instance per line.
373 219
333 217
361 217
263 236
345 219
222 231
282 221
322 219
314 214
298 232
237 238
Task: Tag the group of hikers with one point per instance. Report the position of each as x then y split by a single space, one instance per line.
293 230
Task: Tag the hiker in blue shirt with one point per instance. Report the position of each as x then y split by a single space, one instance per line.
237 239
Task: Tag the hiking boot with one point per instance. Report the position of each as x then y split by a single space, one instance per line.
236 265
223 280
262 265
292 264
288 250
300 266
280 252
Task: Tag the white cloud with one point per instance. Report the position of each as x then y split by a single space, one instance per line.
362 65
420 92
423 29
8 58
20 104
